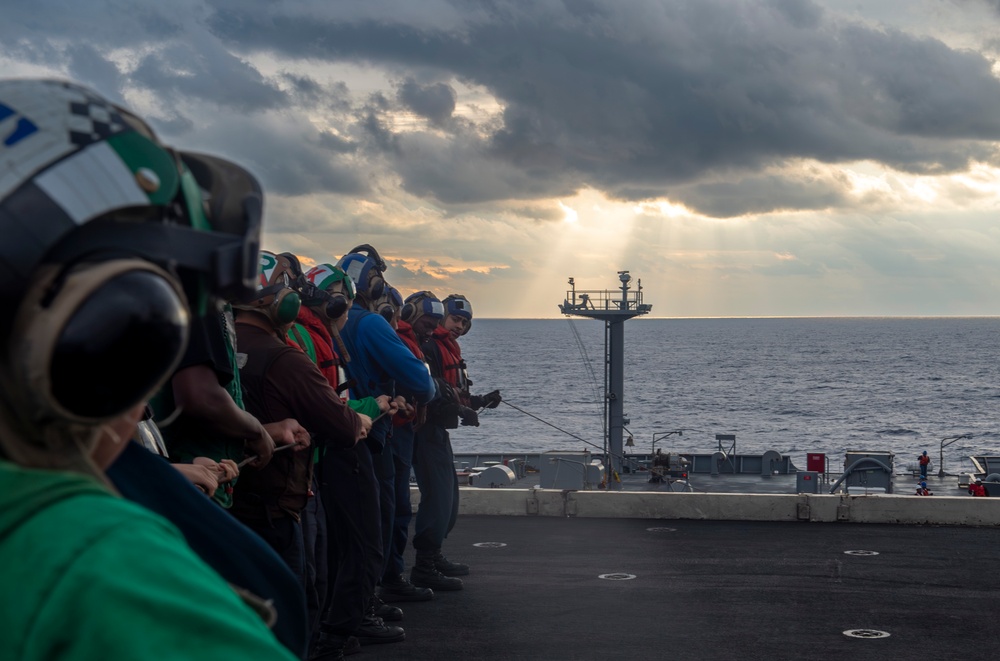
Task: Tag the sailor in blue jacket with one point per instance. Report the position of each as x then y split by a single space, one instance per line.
380 364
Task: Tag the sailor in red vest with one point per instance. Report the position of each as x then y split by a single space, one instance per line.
419 316
433 458
282 382
925 461
340 525
922 490
976 488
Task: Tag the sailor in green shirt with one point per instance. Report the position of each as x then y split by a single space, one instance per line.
94 321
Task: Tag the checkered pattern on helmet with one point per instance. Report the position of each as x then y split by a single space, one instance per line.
93 120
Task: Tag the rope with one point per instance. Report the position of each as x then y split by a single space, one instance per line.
545 422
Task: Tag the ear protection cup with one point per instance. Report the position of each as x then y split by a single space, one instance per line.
332 305
285 307
276 296
419 304
337 306
365 267
329 289
94 341
389 304
376 287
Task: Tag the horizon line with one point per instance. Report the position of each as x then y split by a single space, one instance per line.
790 316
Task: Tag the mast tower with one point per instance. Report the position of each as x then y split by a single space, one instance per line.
614 309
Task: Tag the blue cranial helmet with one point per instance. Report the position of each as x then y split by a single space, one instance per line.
366 268
422 304
459 306
389 304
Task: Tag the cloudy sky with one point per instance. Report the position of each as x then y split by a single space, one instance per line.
741 157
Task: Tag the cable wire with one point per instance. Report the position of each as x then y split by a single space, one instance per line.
589 366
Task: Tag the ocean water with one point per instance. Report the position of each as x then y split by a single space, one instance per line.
791 385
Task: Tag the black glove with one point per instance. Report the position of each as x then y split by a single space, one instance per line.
446 394
493 399
489 400
469 417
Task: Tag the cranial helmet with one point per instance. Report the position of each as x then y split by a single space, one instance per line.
389 304
459 306
276 296
328 289
420 304
366 268
98 220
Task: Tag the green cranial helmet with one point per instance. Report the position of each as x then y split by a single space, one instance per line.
82 177
100 223
329 290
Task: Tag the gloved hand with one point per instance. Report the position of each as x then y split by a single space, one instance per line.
446 403
493 399
446 394
489 400
469 417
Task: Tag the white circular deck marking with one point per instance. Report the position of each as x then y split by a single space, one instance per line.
866 633
489 545
860 552
660 529
617 577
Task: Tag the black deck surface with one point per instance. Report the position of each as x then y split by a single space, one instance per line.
709 590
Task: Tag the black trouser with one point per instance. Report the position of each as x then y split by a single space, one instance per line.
354 532
385 473
434 465
402 457
284 535
314 534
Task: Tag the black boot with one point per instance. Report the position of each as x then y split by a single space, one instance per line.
374 630
449 568
397 588
387 612
352 646
329 647
425 575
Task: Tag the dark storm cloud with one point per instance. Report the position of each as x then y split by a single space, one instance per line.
435 102
691 99
171 56
210 74
337 144
760 194
100 23
643 96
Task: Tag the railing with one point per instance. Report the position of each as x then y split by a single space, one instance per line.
606 300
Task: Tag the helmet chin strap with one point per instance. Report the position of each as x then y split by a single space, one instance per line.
341 347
